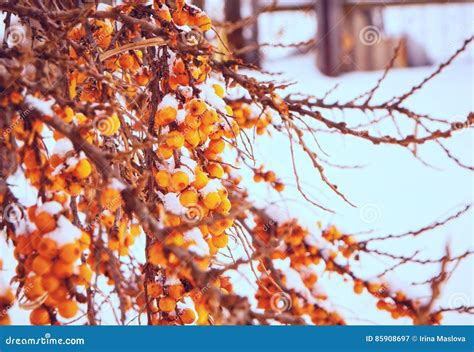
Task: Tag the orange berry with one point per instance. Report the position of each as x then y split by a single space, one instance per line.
45 222
196 107
216 146
167 304
179 181
154 289
33 287
166 115
50 282
192 121
165 152
83 169
215 170
68 309
63 269
220 241
47 248
110 199
187 316
270 176
358 287
41 265
70 252
219 90
212 200
180 17
188 197
210 117
39 316
224 207
60 294
84 241
156 255
176 291
203 22
126 61
279 187
175 140
201 179
163 178
192 138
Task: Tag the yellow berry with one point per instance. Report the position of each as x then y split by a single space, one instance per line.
175 140
162 178
179 181
167 304
188 197
83 169
212 200
215 170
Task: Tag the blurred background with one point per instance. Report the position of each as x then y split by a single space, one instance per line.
347 44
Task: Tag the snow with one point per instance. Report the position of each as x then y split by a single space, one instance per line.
168 100
276 213
180 116
42 106
212 186
117 184
52 208
62 147
172 204
200 247
64 233
209 96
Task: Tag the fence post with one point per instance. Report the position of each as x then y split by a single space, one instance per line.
329 38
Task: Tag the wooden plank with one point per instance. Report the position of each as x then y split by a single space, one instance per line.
329 37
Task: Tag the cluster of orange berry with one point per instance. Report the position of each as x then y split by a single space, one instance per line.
346 243
246 117
49 263
269 177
